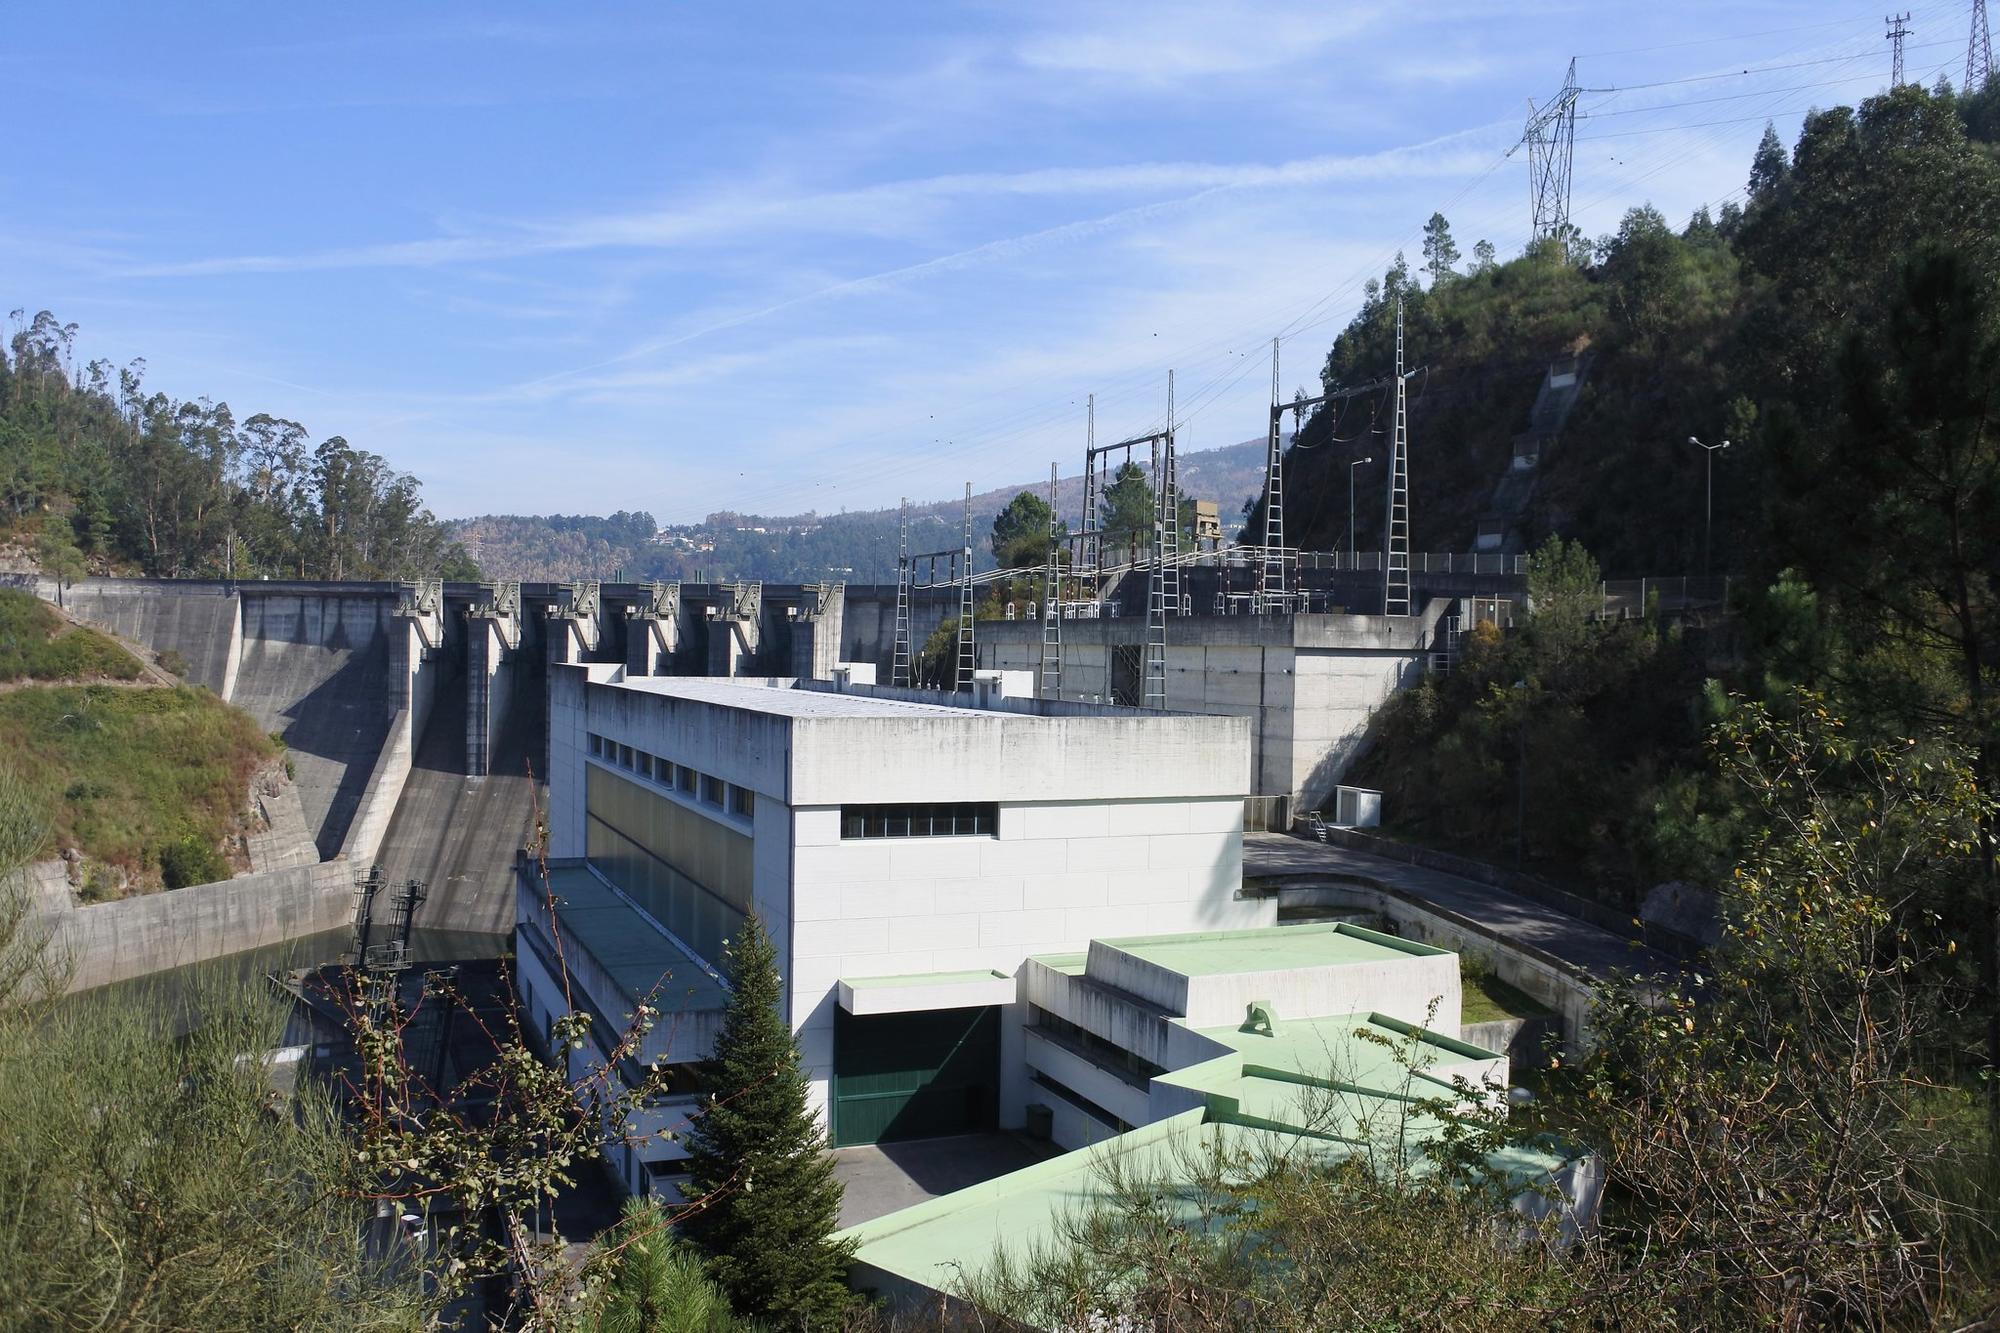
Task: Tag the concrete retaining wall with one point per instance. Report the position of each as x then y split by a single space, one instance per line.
201 623
1549 980
139 936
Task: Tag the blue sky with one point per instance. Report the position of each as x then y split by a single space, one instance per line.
783 257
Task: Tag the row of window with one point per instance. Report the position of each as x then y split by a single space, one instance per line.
941 819
689 782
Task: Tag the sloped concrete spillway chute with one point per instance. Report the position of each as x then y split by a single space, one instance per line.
458 833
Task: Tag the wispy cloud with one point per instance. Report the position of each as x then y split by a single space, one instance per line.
733 216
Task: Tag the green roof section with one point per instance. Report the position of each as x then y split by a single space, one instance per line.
938 1241
640 958
1361 1050
1271 949
1069 964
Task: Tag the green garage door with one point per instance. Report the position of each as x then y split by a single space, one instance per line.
914 1076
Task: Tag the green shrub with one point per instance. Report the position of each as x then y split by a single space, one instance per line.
127 772
191 861
171 660
37 644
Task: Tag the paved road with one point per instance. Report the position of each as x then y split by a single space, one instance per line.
1506 914
885 1177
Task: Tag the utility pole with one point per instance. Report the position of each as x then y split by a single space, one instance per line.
1396 524
1089 555
899 666
1708 521
1350 507
1550 137
1899 28
1978 51
962 680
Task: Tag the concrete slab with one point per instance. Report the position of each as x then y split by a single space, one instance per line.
882 1178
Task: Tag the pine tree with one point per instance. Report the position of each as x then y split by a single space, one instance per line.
1127 509
757 1160
1770 166
1440 251
656 1285
1021 532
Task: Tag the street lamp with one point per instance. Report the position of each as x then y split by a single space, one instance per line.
1350 506
1708 522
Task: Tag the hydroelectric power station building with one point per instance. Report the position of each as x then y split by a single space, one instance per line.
989 912
908 851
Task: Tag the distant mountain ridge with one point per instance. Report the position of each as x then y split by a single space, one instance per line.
853 547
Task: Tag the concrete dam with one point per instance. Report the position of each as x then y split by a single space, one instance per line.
414 715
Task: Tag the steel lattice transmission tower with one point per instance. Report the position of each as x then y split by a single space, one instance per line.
899 667
1978 50
1551 140
1271 583
1899 28
1163 584
1396 524
1052 663
962 680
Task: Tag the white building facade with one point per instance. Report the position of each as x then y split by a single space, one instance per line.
908 852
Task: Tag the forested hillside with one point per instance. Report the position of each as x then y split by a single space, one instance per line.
1716 326
1842 331
799 548
96 473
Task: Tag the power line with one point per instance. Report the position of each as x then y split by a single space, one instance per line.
1235 365
1730 37
1726 97
1739 73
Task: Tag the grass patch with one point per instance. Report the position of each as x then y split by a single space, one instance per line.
38 644
132 774
1484 998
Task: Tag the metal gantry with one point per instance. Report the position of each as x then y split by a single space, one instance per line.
1396 524
1273 587
1899 28
899 668
962 679
1163 583
1052 654
1085 556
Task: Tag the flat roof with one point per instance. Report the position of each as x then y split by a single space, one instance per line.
1268 949
639 957
1364 1050
941 1241
1069 964
783 700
